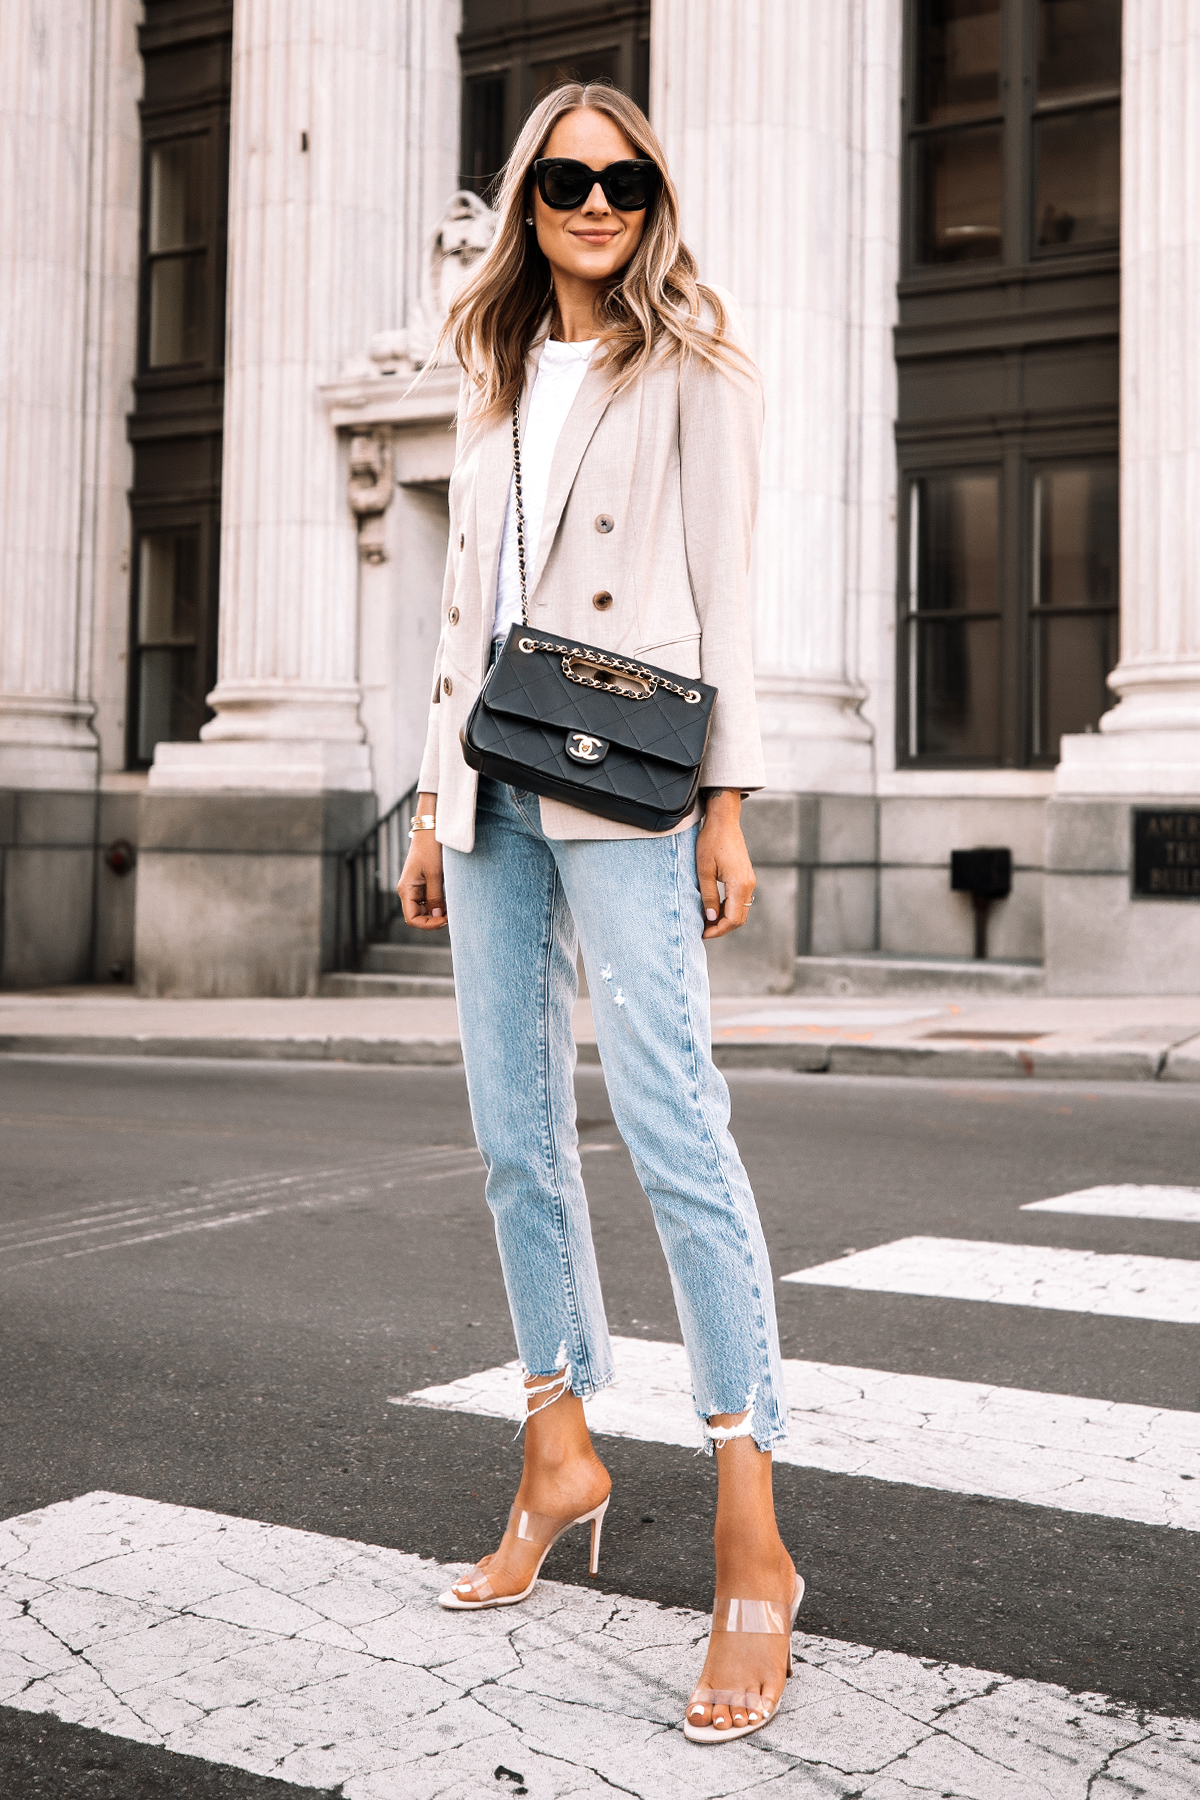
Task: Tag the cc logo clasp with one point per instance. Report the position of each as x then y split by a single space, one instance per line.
582 747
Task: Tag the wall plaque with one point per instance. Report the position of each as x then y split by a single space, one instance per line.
1166 852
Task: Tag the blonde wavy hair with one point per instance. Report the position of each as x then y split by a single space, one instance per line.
653 306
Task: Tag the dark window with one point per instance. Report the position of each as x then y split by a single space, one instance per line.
1007 352
168 618
954 616
959 166
485 137
175 426
512 54
178 183
1077 123
1073 616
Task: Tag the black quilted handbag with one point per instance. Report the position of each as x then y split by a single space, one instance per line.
616 737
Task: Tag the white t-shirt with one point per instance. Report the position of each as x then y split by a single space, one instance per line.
560 374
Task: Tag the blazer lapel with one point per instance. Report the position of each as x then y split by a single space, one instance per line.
587 410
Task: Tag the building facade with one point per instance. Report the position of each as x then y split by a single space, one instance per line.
966 238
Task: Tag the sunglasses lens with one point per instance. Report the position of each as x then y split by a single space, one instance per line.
563 184
629 186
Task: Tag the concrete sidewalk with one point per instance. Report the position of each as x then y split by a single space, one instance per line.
946 1036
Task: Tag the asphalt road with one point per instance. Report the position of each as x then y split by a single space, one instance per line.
247 1369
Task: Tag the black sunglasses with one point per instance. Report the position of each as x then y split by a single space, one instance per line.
628 186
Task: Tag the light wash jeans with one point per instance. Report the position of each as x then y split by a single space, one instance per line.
519 904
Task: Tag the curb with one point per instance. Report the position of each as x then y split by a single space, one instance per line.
953 1063
420 1051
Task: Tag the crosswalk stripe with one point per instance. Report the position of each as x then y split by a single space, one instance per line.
1056 1450
1126 1200
322 1661
1129 1287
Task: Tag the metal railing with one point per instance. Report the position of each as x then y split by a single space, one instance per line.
372 871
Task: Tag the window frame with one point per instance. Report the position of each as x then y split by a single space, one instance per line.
1018 113
509 47
175 427
1042 461
969 344
147 521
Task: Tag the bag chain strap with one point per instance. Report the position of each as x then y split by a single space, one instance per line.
528 645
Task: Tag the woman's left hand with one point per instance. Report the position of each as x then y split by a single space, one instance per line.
721 855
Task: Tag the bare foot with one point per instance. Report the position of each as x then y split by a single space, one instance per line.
562 1479
751 1666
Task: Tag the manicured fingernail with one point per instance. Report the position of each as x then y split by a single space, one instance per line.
435 912
710 913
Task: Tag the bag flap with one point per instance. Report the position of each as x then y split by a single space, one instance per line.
534 687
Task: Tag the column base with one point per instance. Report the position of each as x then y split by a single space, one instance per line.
238 894
275 767
46 743
814 738
1126 761
279 736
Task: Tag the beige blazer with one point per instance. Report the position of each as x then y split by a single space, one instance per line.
651 500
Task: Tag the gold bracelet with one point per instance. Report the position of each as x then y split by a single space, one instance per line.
422 822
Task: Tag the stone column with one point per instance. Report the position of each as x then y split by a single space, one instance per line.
343 133
1150 742
47 291
339 126
782 125
1102 934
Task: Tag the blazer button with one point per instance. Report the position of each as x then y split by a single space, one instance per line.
447 685
454 615
462 540
604 524
601 602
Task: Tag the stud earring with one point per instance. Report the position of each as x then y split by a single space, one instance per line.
529 218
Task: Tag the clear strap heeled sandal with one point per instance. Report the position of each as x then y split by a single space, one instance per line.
541 1530
765 1617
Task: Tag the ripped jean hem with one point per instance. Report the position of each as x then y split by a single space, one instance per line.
765 1441
765 1438
581 1389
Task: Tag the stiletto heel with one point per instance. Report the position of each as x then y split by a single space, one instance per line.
597 1519
765 1616
474 1591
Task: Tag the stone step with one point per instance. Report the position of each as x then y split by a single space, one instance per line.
348 986
871 973
400 933
408 959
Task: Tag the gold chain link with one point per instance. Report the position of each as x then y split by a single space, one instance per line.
529 645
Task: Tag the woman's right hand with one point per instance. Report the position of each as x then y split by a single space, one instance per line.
421 890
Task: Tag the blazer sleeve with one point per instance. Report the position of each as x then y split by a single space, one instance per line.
427 780
720 444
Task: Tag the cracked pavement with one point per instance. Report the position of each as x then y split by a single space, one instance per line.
246 1261
321 1662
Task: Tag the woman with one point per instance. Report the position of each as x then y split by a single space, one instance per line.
640 419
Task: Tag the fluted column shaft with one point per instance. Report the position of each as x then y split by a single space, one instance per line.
782 126
326 157
47 76
1150 742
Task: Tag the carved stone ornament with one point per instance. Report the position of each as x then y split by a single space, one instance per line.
457 242
369 490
